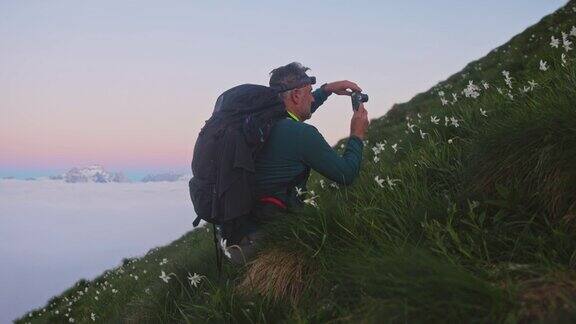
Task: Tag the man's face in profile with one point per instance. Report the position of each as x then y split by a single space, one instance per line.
305 99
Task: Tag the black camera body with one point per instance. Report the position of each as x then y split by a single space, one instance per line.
357 98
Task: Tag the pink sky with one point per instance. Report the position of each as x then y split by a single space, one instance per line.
129 86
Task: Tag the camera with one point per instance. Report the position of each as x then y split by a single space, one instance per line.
357 98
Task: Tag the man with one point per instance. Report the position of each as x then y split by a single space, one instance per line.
292 149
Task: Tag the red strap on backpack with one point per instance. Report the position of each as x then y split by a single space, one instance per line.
273 201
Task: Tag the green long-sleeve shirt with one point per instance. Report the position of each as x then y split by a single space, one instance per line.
292 146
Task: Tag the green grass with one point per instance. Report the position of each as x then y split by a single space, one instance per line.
478 227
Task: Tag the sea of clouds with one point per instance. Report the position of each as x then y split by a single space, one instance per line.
54 233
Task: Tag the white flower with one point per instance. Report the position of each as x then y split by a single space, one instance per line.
485 84
71 320
554 42
434 120
483 112
471 90
225 248
563 58
342 146
395 147
533 84
162 276
299 191
96 297
194 279
543 65
311 201
379 181
454 122
380 146
391 182
376 159
114 291
376 150
322 183
422 134
441 93
93 317
450 141
334 185
455 96
444 101
573 31
565 42
410 127
507 78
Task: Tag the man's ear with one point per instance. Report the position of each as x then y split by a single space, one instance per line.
295 95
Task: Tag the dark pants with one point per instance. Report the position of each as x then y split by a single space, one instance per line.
243 234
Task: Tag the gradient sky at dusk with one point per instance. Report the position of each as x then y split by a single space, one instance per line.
128 84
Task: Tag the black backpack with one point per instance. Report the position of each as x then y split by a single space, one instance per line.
223 184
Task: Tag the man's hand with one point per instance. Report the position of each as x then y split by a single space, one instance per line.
344 87
359 122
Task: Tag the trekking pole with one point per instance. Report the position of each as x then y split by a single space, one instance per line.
218 253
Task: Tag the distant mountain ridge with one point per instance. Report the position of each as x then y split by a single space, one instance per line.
92 173
169 176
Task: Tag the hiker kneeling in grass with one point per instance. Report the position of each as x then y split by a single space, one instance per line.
255 150
291 150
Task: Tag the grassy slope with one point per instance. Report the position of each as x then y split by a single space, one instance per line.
477 224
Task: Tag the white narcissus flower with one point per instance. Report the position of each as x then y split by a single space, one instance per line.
311 201
194 279
485 84
164 277
334 185
391 182
322 183
573 31
471 90
444 101
554 42
410 127
379 181
441 93
567 44
533 84
543 65
376 159
563 58
299 191
376 150
483 112
422 134
455 97
225 248
454 122
380 146
434 120
93 317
